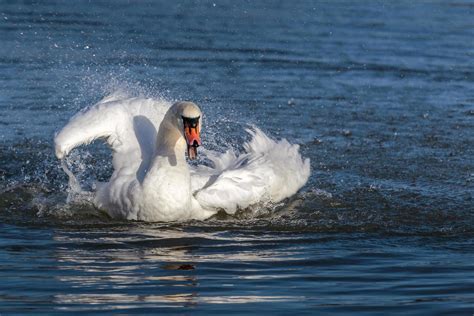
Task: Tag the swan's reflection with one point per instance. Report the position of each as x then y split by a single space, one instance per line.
119 268
150 266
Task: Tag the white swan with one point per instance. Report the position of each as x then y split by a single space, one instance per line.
151 179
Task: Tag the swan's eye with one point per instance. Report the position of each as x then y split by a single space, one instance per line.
191 122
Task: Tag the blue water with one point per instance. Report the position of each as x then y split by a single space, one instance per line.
379 95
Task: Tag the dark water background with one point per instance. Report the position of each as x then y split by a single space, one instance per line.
379 95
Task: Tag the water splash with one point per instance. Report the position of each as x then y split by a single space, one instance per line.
74 187
76 195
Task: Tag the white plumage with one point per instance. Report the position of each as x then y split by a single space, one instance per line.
151 179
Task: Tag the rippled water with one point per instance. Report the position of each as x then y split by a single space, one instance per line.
379 96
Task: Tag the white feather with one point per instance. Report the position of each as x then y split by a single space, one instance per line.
150 187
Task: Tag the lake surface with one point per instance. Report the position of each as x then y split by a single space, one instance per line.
379 95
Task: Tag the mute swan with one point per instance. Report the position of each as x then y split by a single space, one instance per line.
151 179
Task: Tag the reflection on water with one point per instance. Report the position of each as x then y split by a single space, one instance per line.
156 301
119 266
193 268
156 261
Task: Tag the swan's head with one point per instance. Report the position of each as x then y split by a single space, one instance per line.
189 119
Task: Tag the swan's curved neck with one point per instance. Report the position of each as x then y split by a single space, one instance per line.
170 143
167 183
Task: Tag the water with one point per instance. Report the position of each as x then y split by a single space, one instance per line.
379 96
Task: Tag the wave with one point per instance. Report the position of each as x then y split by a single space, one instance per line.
313 211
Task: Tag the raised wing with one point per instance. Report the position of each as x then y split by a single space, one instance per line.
129 125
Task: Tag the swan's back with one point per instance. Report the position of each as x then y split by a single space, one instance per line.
268 171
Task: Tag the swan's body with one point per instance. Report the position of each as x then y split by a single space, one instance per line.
152 180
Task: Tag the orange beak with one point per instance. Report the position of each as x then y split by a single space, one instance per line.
193 139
